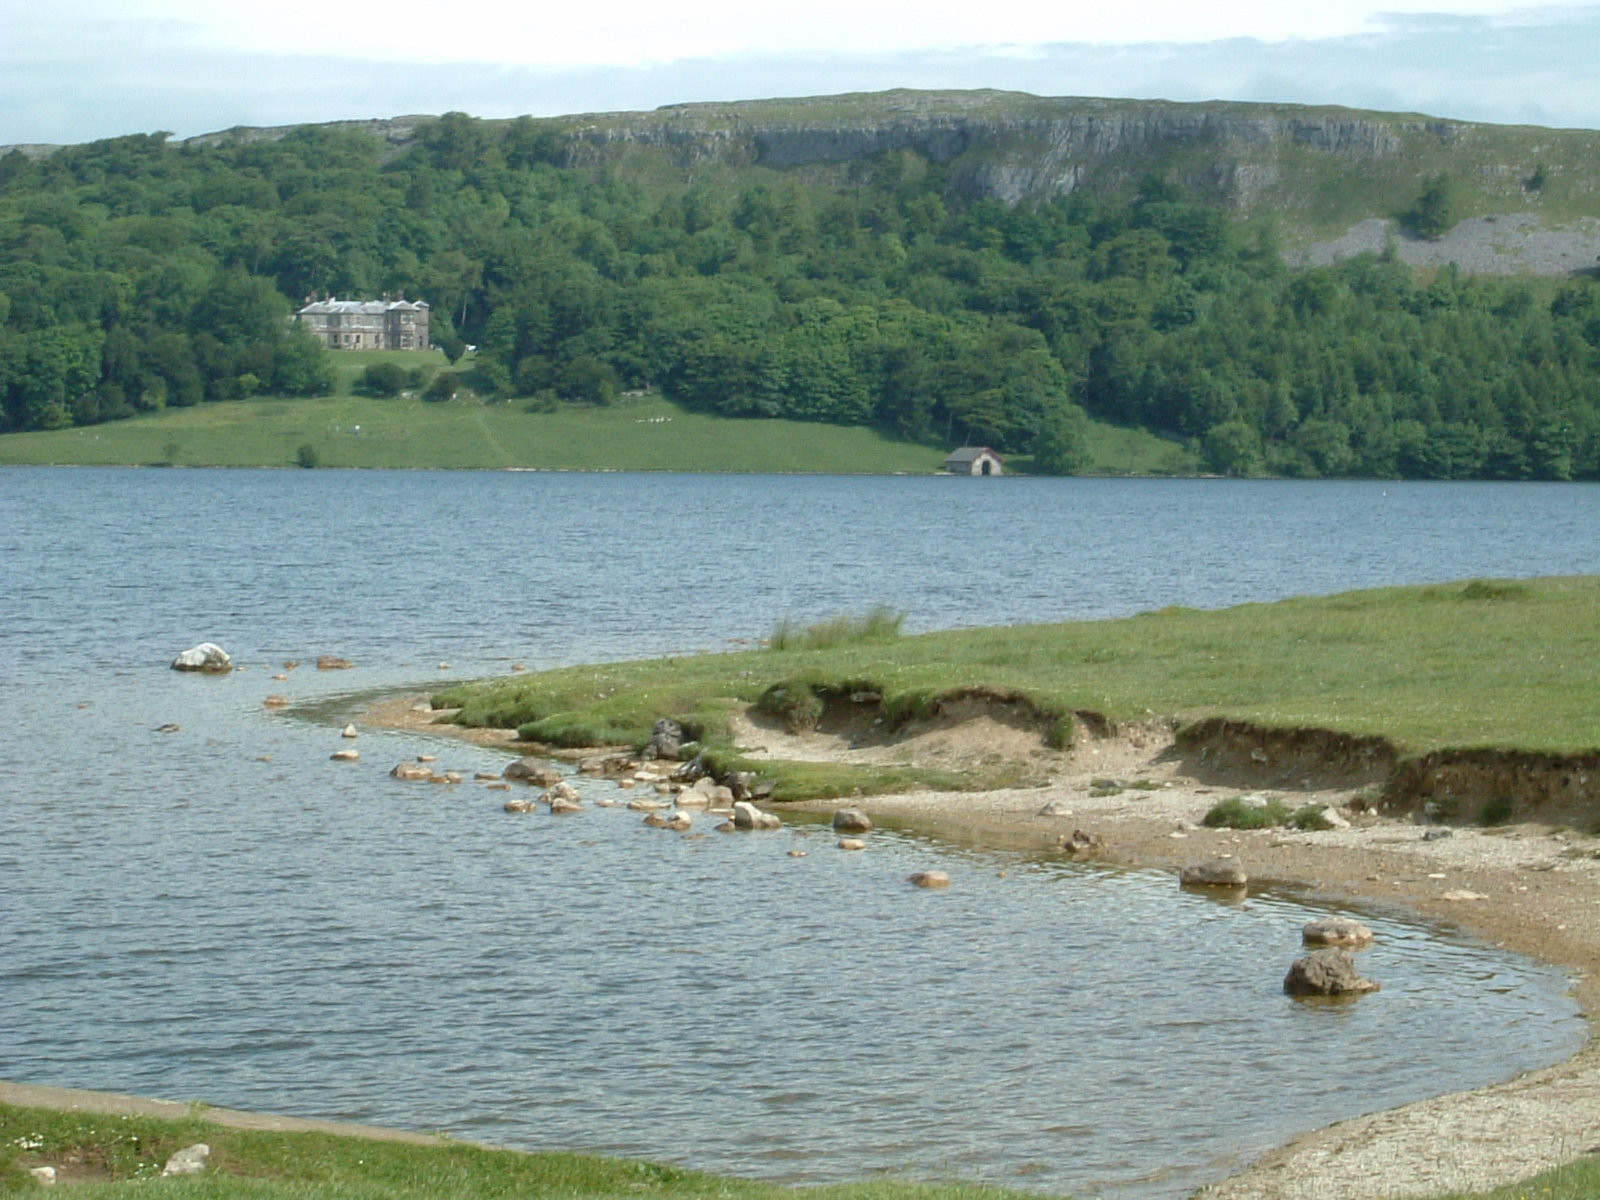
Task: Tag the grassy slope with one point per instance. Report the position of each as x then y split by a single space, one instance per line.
127 1154
1513 666
123 1156
648 434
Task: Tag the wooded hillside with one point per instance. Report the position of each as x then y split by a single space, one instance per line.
136 275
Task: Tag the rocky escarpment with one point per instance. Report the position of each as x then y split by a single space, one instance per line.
1337 178
1007 145
1011 146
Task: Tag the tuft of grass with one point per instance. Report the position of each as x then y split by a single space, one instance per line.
1235 813
793 702
878 624
1490 589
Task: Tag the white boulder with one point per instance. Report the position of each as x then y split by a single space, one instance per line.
207 656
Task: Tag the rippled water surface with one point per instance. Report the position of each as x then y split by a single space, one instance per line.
222 913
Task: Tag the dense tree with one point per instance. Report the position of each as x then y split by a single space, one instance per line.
135 274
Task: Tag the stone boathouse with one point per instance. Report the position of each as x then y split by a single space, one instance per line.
975 460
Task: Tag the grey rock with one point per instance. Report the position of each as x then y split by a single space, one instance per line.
191 1160
1345 932
851 820
666 740
1082 843
1328 972
533 771
1216 872
1324 818
748 816
207 656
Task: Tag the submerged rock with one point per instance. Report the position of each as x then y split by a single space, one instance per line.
929 879
533 771
1082 843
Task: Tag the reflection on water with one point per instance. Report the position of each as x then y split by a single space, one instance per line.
222 913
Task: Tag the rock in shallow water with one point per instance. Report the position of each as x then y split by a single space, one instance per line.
1337 931
207 656
1216 872
1328 972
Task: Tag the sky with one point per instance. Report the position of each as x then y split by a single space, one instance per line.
104 68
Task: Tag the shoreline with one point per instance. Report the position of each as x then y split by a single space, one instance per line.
1533 900
1528 888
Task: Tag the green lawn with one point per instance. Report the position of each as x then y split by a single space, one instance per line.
1499 665
123 1156
640 434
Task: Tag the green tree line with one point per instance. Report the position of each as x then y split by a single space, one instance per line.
135 275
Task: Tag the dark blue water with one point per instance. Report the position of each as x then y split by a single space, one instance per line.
223 914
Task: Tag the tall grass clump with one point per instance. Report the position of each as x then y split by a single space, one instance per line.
878 624
1238 813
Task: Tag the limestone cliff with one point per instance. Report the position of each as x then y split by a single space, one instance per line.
1319 163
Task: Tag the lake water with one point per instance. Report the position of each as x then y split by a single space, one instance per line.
221 913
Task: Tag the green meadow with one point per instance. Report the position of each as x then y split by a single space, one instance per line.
1485 664
641 433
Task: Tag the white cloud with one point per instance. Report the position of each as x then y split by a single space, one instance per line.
635 32
108 74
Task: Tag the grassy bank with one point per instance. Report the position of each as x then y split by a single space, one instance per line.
106 1155
641 434
1502 665
115 1155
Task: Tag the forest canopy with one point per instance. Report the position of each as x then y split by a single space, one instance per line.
136 275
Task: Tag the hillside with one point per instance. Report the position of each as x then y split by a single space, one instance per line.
1290 290
1318 170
